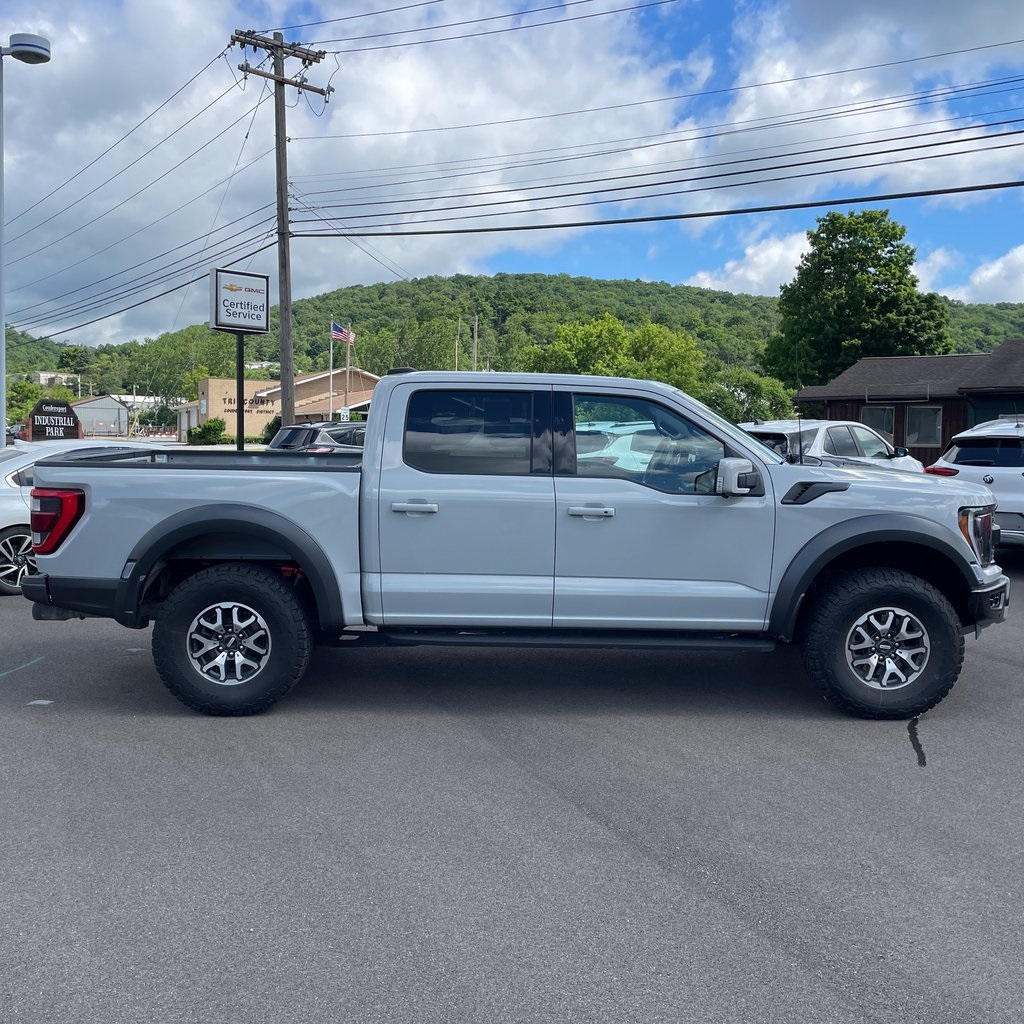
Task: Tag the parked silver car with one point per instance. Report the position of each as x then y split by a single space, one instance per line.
326 436
846 440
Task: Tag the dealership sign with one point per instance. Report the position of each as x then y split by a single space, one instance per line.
239 302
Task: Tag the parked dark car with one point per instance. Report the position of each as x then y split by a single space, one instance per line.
325 436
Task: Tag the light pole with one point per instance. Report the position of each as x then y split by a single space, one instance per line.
28 49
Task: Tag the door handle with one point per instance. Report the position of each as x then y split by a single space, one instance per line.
414 507
592 511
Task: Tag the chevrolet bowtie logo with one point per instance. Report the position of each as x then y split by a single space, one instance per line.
232 287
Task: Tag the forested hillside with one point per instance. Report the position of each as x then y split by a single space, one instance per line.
420 322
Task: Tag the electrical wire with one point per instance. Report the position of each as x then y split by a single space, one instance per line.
745 170
375 254
667 217
137 231
139 191
152 298
494 31
114 145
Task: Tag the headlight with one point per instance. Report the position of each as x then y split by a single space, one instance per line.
976 526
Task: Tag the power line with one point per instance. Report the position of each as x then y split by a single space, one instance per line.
495 31
139 231
661 218
138 192
701 94
366 249
114 145
152 298
352 17
474 21
746 170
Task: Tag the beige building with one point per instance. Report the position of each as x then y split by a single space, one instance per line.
315 399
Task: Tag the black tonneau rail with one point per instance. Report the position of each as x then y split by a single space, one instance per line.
135 458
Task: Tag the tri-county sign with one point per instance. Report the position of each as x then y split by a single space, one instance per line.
239 302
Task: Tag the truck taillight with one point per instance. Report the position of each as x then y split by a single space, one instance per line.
54 513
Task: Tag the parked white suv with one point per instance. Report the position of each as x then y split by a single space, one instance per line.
992 454
846 440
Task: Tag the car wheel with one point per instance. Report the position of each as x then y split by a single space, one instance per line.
16 558
231 640
883 643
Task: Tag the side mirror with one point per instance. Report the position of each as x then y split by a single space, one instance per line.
735 477
900 453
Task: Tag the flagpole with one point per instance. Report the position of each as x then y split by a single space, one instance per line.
348 360
330 386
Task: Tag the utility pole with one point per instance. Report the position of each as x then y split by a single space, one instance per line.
278 50
476 321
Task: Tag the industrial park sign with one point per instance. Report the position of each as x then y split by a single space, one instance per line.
239 302
51 419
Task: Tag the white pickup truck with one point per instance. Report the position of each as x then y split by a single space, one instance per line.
507 509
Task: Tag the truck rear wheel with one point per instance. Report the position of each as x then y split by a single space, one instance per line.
882 643
231 640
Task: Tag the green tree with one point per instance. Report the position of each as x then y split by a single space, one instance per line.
76 358
22 396
607 347
854 295
741 394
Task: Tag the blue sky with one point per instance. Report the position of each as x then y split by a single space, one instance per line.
141 156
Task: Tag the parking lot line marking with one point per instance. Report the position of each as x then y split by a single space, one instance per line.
18 668
31 702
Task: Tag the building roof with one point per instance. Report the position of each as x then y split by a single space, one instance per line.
80 403
1001 370
925 377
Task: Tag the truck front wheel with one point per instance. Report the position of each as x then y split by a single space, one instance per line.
231 640
883 643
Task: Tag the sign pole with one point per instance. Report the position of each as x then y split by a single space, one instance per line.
239 391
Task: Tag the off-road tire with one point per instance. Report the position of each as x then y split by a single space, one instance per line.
241 622
882 643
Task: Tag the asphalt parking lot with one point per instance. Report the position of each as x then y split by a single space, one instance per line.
430 835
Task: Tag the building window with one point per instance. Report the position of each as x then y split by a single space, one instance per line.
880 418
924 426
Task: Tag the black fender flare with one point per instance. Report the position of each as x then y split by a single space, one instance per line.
884 528
252 527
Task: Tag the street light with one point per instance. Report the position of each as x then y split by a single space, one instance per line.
29 49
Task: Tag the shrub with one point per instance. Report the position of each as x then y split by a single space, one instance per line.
210 432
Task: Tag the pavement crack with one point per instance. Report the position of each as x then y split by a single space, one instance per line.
915 742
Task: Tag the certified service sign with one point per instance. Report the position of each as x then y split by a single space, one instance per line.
239 302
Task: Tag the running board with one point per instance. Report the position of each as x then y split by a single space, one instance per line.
578 638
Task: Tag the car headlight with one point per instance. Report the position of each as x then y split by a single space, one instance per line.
976 524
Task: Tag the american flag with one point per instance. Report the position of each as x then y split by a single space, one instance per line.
339 333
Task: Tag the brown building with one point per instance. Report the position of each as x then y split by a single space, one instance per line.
315 399
920 402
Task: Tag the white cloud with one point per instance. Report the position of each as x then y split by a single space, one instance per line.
375 144
997 281
931 269
765 265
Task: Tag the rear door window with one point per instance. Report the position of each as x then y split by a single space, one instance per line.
471 432
839 441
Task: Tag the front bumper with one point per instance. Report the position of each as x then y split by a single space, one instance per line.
988 604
